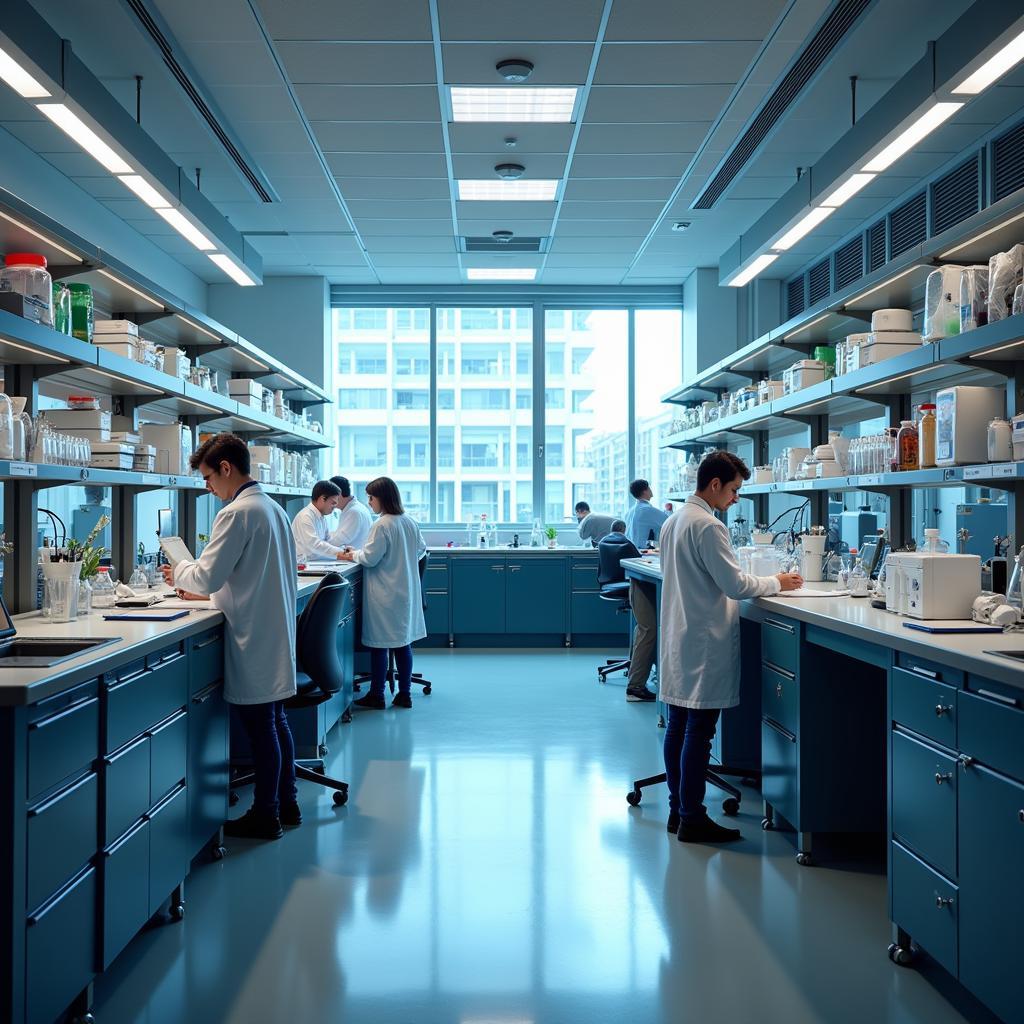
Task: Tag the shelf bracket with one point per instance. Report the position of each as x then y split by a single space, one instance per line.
60 271
142 318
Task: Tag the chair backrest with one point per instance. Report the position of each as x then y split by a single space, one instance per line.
424 558
611 550
316 633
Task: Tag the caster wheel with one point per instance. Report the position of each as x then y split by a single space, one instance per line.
232 799
767 824
346 718
900 956
320 769
633 797
84 1018
731 806
177 911
356 688
340 799
803 859
426 689
323 750
218 853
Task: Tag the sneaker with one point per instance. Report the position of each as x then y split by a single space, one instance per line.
370 702
707 831
401 700
291 816
254 825
673 822
640 695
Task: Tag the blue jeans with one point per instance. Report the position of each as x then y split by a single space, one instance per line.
379 669
688 737
273 755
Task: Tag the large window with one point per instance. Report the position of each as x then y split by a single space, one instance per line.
487 458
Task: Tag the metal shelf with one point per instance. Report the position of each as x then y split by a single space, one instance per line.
44 475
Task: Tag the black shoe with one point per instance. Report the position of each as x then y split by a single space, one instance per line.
254 825
371 702
401 700
640 695
707 831
291 816
673 822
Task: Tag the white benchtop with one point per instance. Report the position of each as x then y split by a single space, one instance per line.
519 552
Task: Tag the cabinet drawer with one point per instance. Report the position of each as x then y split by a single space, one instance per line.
584 577
926 905
933 670
779 771
139 696
991 725
64 739
125 788
169 852
168 752
207 765
924 705
435 576
61 838
436 613
206 660
780 699
924 787
780 642
60 949
125 887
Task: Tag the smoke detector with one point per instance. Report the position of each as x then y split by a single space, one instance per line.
510 171
681 225
502 236
514 70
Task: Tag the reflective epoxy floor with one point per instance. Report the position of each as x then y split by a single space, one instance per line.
487 870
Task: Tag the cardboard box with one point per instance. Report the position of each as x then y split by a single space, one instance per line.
239 386
125 436
111 461
78 421
128 327
145 459
176 363
119 344
173 445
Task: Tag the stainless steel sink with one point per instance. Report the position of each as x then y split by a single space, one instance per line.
1016 655
42 652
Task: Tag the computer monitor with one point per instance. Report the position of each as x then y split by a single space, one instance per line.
165 525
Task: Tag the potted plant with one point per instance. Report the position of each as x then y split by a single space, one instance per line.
552 535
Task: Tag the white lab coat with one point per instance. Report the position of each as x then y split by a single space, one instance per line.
248 570
392 599
310 530
352 526
699 631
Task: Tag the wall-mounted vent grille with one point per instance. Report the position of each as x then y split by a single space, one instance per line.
876 246
908 225
1008 163
795 303
832 32
957 195
485 243
849 262
819 281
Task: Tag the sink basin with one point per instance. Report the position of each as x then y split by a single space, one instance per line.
1016 655
45 651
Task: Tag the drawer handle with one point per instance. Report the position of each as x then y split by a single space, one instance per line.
965 760
778 689
785 626
943 901
1010 702
1020 816
497 568
941 777
926 672
206 643
69 710
785 673
943 709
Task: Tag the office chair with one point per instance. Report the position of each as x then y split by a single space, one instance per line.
611 578
319 675
392 673
714 775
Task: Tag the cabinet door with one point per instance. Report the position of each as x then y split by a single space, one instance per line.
991 888
478 595
168 847
207 766
436 613
536 595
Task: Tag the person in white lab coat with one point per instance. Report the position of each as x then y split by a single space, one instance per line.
353 524
248 570
311 527
392 597
699 642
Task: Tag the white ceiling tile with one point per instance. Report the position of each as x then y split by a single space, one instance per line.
395 188
256 102
608 246
524 227
402 227
491 138
335 242
408 209
392 244
479 166
675 137
263 136
624 189
369 102
336 63
346 275
407 259
588 275
588 210
499 212
585 229
630 165
304 188
470 19
351 20
672 20
362 165
674 63
235 62
611 103
394 136
419 275
553 63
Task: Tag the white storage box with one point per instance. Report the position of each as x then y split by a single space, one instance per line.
112 456
176 363
962 416
884 345
829 469
173 444
119 344
145 459
803 374
892 320
116 327
942 304
79 421
125 437
243 386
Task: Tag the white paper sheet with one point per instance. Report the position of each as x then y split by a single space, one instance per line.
808 592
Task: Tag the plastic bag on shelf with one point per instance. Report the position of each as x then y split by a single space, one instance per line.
973 298
1005 272
1018 300
942 304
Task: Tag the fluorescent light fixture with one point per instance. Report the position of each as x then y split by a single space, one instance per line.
848 189
196 327
239 351
186 228
902 376
804 226
234 270
911 136
878 287
126 380
755 268
810 405
42 238
995 67
501 273
144 191
4 343
68 121
972 240
128 287
993 351
514 104
19 79
536 190
806 327
201 405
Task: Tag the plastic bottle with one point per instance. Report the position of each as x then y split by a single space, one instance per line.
26 274
926 437
906 445
843 576
933 545
139 581
858 580
470 532
103 589
536 536
482 539
691 472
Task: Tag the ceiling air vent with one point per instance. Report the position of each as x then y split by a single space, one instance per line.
908 225
819 281
876 246
957 195
485 243
1008 163
833 30
795 301
849 262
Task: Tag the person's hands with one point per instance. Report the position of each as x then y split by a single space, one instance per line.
346 555
187 595
168 574
790 580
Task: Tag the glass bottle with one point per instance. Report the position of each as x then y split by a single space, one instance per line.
536 536
926 437
482 540
843 576
84 597
470 532
906 445
858 580
139 581
103 589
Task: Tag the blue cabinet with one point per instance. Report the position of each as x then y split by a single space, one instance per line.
536 595
207 765
478 594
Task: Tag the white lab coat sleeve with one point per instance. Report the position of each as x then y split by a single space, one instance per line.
720 561
208 573
375 548
308 543
421 544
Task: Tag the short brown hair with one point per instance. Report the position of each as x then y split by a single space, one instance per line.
385 490
720 465
222 448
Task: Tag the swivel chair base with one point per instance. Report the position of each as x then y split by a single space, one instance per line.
316 773
610 668
714 775
391 677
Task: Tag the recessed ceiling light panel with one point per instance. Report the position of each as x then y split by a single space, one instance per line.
522 190
501 273
513 104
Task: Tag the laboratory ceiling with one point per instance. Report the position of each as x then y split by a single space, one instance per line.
344 107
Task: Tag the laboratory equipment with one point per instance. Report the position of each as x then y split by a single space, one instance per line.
855 526
103 589
1000 441
802 374
932 585
962 415
973 298
942 303
860 585
139 581
881 346
25 273
1004 274
7 446
991 608
892 320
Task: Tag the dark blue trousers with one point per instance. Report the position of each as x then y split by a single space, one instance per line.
273 755
688 737
379 669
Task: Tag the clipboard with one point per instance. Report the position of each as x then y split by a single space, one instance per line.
974 627
176 550
160 615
